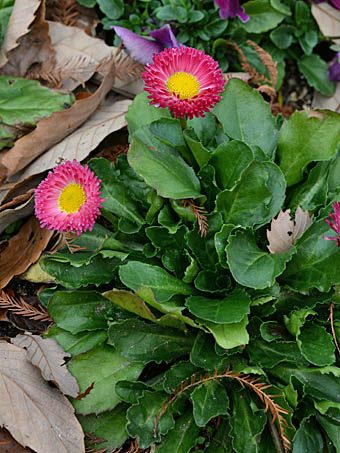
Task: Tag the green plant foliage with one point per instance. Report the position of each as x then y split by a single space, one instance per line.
25 101
177 308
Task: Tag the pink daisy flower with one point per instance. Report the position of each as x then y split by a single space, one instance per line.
185 80
336 225
68 199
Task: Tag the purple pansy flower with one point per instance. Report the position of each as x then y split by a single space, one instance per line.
334 69
231 8
142 49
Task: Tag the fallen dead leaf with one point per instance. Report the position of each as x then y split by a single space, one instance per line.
27 42
328 103
49 356
36 414
3 317
328 19
108 118
77 54
17 201
52 130
284 231
22 250
11 215
10 445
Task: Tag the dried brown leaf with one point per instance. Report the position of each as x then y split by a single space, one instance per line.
328 19
108 118
48 356
22 250
284 231
17 201
27 41
36 414
53 129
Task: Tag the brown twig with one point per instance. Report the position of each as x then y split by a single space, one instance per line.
276 411
199 214
20 307
330 318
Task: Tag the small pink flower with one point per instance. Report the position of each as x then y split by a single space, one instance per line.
185 80
336 225
68 198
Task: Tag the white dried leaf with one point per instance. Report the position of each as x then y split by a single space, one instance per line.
37 415
284 231
328 19
49 356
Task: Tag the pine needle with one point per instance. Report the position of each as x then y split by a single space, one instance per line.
199 214
20 307
276 411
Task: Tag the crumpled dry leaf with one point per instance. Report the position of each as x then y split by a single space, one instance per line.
327 103
49 356
22 250
284 231
27 41
17 201
328 19
51 130
108 118
36 414
77 54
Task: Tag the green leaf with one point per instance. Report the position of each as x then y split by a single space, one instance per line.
177 374
97 272
140 113
262 17
280 6
101 426
130 391
268 355
230 160
135 274
230 309
316 262
332 430
251 266
200 153
169 132
209 400
204 248
308 41
312 193
245 116
205 128
283 36
24 101
316 344
246 204
117 199
104 367
220 442
76 343
142 416
315 70
229 336
130 302
245 424
299 143
76 311
272 331
203 352
221 240
113 9
320 383
308 437
182 438
164 170
138 340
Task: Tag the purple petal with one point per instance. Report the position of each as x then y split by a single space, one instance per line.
334 69
165 36
336 3
141 49
231 8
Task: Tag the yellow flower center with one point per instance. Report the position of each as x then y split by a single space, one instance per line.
71 198
183 84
